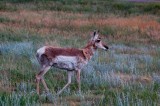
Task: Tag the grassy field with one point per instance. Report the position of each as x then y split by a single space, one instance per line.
128 74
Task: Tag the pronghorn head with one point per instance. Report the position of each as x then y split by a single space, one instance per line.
97 42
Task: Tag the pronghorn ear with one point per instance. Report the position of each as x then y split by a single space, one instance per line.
95 35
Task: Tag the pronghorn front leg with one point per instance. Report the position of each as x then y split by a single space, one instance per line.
45 85
78 72
68 83
39 77
37 84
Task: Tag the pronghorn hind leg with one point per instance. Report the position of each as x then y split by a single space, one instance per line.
37 85
68 83
39 77
45 85
78 80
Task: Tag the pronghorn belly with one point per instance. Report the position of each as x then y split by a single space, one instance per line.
65 62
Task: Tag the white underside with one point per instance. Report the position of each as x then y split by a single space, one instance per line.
65 62
65 59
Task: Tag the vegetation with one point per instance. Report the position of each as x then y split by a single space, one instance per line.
127 74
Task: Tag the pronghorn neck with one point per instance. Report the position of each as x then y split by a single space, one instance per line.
89 50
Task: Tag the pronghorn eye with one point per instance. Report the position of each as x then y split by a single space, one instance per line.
98 40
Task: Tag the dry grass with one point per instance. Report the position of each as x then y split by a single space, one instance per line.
76 100
133 78
49 22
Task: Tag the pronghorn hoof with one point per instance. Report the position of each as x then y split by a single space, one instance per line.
36 80
79 94
50 97
47 97
47 91
57 94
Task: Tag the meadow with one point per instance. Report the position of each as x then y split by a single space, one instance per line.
128 74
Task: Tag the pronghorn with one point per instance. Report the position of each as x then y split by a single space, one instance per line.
70 59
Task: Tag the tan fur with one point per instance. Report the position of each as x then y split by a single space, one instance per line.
52 52
87 53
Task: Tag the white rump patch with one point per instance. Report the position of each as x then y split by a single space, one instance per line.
41 50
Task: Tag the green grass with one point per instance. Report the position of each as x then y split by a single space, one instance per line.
89 6
18 99
130 97
122 8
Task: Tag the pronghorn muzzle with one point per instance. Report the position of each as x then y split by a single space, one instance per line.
106 47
